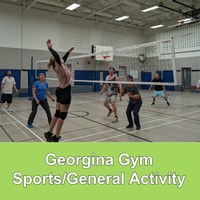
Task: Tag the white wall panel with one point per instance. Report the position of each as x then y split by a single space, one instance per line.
10 25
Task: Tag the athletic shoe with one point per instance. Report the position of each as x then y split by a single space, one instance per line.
109 113
30 125
138 128
168 104
9 110
115 119
1 112
153 103
120 99
129 126
55 139
48 136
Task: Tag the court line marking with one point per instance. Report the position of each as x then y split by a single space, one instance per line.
121 128
43 130
37 126
142 129
170 111
176 125
186 128
6 133
33 123
113 128
24 126
62 133
173 102
15 124
103 132
163 119
146 110
99 105
8 123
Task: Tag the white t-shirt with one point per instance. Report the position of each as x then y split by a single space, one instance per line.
198 84
8 84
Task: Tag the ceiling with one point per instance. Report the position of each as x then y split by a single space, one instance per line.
106 11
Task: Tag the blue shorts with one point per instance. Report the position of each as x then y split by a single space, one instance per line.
6 97
157 93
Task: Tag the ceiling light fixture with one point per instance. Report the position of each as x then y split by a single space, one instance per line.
185 20
122 18
157 26
73 6
151 8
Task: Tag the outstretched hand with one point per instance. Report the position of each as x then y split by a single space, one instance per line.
49 44
71 50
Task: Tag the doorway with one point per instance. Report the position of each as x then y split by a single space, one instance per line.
186 79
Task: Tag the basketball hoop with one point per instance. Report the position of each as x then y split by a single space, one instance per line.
105 56
181 18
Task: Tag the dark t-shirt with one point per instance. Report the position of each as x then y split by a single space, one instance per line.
158 87
133 90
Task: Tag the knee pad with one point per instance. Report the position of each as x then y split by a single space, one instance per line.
57 113
63 115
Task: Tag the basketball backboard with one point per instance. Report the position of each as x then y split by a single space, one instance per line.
104 56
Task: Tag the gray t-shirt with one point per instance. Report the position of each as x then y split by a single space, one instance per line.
8 84
133 90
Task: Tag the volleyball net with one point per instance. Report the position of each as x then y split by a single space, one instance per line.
141 61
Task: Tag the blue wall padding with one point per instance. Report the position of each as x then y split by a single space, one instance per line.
97 78
160 73
105 73
83 75
32 79
168 78
15 73
145 77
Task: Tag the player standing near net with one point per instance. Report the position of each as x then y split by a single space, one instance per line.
159 90
135 103
63 92
111 95
40 90
7 84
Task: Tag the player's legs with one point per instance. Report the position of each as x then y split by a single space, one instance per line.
136 110
129 109
106 101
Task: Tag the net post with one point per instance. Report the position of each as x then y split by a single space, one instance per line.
31 85
36 69
173 61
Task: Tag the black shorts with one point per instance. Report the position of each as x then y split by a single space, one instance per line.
6 97
64 95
